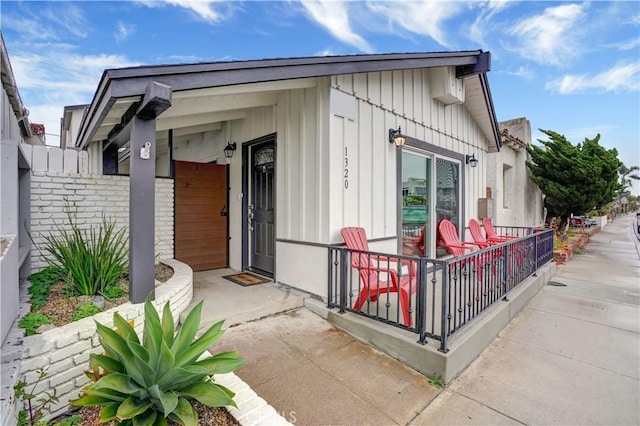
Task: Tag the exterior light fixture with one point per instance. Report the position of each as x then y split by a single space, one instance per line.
396 137
471 159
229 150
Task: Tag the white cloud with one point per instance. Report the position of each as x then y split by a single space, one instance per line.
67 16
326 52
52 76
29 29
123 31
483 21
423 17
204 9
620 78
551 37
632 43
522 71
334 16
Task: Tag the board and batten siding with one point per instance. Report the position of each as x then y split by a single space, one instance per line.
322 187
387 100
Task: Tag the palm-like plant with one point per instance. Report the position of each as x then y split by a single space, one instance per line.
155 379
627 176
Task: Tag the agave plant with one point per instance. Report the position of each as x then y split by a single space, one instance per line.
148 382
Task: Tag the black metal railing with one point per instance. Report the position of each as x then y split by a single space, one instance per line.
434 298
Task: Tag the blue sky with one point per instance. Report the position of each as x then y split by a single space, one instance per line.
570 67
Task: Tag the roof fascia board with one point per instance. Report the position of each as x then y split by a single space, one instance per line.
394 58
135 85
96 114
484 83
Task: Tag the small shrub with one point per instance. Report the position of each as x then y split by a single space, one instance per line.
113 291
35 407
41 283
86 309
31 321
156 378
93 259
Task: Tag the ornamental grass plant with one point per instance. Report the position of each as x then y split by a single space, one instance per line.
92 260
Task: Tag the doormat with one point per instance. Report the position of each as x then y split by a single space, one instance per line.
246 279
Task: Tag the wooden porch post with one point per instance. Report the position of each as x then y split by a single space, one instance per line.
142 192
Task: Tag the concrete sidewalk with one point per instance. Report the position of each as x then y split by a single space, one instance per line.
570 357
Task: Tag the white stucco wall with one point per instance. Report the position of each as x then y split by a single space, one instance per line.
517 200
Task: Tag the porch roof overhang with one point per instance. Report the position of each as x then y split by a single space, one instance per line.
121 90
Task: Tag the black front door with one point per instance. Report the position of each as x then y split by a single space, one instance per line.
261 223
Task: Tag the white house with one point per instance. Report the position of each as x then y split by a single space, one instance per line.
313 152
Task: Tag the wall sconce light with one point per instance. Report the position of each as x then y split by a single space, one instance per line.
229 150
471 159
396 137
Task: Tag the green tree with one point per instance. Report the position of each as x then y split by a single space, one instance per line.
574 178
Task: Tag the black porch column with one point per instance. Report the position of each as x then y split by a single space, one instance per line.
142 210
142 192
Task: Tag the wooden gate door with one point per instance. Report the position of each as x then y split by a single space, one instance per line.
201 226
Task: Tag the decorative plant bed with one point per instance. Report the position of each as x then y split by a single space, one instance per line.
65 350
574 244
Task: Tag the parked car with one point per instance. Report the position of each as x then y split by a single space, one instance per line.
582 222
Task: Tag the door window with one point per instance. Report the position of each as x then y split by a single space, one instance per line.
427 196
416 183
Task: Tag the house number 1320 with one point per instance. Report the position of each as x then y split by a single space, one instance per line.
346 169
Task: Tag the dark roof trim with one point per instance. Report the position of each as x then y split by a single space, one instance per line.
348 60
126 82
11 88
484 82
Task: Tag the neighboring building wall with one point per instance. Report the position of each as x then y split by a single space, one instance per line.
10 138
516 200
92 195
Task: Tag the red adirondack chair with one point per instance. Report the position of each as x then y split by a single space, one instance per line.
493 238
451 241
379 274
491 233
476 234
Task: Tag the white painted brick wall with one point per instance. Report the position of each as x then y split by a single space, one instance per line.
93 196
64 351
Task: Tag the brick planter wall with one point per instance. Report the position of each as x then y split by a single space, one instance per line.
65 350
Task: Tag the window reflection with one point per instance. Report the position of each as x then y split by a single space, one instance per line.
447 199
415 204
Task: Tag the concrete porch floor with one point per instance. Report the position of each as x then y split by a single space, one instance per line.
237 304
